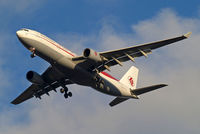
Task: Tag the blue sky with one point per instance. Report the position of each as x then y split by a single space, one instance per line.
86 16
103 25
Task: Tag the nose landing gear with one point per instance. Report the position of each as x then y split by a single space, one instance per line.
33 52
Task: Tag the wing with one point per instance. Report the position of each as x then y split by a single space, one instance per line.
114 57
53 79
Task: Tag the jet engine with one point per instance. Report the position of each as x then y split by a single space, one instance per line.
92 55
34 78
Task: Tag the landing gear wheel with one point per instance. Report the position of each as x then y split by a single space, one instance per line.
62 90
66 89
70 94
33 52
33 55
66 95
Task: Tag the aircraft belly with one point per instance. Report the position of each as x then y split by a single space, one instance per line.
112 87
48 53
71 70
42 50
107 88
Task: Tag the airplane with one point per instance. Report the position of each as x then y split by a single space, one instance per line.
88 69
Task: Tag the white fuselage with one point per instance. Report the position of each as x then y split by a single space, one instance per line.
61 58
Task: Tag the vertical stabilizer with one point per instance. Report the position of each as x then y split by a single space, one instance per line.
130 78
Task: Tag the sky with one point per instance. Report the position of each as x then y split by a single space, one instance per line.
103 25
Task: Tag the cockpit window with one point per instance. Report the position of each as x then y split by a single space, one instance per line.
25 29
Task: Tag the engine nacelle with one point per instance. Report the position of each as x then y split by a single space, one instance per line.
34 78
92 55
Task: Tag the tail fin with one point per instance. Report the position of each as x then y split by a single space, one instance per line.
130 78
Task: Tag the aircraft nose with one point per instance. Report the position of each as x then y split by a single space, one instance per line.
19 33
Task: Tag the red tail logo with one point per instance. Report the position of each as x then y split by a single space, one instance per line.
95 53
131 80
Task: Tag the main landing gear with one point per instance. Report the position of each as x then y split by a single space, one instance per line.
65 91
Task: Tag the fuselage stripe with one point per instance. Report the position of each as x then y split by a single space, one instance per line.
56 45
108 75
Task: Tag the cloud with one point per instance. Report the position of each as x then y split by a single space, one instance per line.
173 109
4 71
20 6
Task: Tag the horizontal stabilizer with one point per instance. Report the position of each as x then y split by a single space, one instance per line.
143 90
117 101
136 92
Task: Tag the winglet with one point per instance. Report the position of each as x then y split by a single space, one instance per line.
187 35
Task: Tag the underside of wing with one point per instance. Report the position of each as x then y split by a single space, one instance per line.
27 94
52 81
130 53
